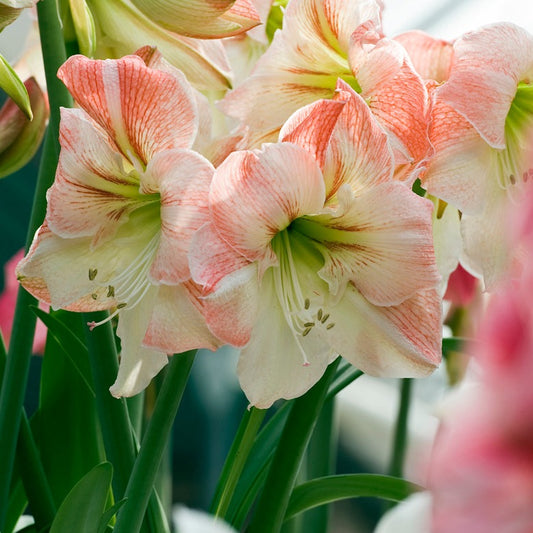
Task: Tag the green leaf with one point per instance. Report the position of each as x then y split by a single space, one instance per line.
82 508
333 488
71 345
106 517
65 426
13 86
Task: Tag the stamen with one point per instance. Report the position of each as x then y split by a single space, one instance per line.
92 273
306 331
307 303
94 296
309 324
324 318
319 314
110 291
330 325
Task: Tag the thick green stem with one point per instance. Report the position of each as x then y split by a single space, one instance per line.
20 349
153 445
401 430
270 511
113 413
321 458
237 456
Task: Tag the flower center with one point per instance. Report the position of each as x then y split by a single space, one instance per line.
301 293
514 162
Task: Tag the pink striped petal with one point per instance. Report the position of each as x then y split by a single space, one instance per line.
177 323
382 242
395 93
254 195
92 194
431 57
143 110
311 127
182 178
487 67
459 171
397 341
211 259
359 153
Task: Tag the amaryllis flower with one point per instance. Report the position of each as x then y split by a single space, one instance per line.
128 195
482 134
313 250
320 42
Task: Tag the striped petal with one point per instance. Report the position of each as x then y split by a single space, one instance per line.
488 65
177 323
397 341
202 19
143 110
93 193
182 178
254 195
381 241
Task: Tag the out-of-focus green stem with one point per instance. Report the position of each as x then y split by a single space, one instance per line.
113 413
130 515
270 512
401 430
20 349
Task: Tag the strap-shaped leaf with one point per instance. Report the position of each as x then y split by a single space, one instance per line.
333 488
85 503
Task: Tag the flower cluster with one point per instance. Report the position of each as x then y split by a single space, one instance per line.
283 222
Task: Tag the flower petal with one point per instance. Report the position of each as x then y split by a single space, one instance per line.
359 153
201 19
254 195
137 365
92 194
272 365
142 109
177 324
182 178
487 67
431 57
397 341
381 241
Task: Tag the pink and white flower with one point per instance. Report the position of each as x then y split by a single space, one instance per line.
128 196
482 134
313 250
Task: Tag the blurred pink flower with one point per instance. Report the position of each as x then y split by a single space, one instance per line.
8 299
482 473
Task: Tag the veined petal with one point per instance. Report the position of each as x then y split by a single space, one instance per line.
231 311
359 153
211 258
274 364
126 29
381 241
393 341
177 323
254 195
137 365
459 171
143 110
431 57
92 194
201 19
487 67
395 93
182 178
311 127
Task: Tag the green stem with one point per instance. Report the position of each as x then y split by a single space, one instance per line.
321 458
20 349
113 414
153 445
236 459
401 430
270 511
